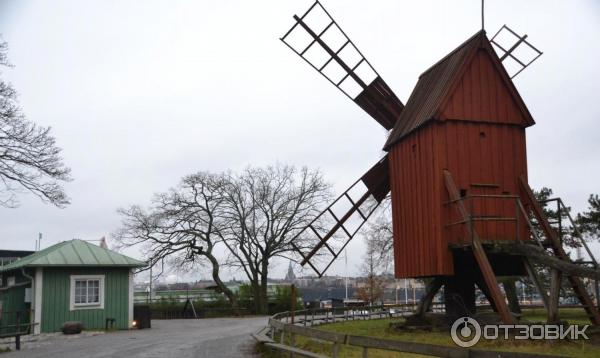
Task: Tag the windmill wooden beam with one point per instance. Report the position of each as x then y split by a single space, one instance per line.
479 253
376 184
578 287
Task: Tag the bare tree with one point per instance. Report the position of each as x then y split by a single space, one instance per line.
29 157
182 226
373 288
379 237
266 208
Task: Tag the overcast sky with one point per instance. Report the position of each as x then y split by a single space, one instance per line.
140 93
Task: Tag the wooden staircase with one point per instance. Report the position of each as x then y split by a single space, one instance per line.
550 233
479 253
552 239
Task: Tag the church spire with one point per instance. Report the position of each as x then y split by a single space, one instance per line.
290 276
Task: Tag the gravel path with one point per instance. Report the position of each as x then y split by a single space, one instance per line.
193 338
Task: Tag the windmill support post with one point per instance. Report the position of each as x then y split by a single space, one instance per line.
559 252
511 294
555 281
431 290
459 296
484 265
486 292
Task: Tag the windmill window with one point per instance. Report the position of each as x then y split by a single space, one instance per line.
463 193
482 134
87 292
414 148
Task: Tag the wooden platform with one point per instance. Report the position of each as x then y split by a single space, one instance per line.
535 254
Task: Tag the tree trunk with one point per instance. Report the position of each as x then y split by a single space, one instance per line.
255 284
264 297
231 297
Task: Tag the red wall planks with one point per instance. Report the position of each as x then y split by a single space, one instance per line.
415 218
481 95
418 193
480 139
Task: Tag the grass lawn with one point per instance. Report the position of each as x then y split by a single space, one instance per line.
380 329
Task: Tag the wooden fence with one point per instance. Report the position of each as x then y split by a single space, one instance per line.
298 323
15 324
208 312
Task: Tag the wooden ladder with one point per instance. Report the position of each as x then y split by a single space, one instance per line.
479 253
578 287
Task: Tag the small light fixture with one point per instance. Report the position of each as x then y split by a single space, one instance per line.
134 324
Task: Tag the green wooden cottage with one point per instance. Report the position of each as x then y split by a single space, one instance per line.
70 281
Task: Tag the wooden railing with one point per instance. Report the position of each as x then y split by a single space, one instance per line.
18 325
283 329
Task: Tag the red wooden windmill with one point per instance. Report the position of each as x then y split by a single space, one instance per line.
455 168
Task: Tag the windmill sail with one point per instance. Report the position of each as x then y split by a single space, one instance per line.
319 40
507 50
323 240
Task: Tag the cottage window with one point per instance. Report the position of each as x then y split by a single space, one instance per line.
87 291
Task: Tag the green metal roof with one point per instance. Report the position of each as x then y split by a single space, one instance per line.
74 253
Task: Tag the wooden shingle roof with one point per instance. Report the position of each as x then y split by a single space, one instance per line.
436 83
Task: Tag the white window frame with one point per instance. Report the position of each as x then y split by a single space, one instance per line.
11 281
83 306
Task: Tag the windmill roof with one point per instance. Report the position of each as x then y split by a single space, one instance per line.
74 253
435 84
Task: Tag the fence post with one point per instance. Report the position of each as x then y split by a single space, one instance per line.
365 352
333 314
305 317
293 303
293 344
336 349
18 331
